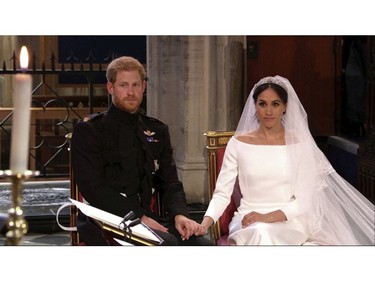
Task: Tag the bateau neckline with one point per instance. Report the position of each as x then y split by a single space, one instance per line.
267 145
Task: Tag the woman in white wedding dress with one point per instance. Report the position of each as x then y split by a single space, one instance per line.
291 195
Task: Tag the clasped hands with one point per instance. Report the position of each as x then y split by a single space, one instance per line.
185 226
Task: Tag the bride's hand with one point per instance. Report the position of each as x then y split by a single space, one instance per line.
253 217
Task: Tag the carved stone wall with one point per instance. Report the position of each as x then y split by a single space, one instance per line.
196 84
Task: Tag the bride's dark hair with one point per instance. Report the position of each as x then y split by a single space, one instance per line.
278 89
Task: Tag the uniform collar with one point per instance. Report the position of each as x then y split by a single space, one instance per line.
123 116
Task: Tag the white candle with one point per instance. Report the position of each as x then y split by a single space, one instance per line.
19 153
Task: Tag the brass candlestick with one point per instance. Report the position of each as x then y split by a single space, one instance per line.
17 225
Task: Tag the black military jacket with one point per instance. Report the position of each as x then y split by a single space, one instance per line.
118 158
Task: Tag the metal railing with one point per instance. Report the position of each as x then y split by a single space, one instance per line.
53 112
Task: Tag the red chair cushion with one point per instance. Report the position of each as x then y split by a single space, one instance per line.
227 216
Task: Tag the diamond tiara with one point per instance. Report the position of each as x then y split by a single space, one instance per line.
270 79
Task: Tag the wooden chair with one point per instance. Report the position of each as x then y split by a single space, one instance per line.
216 142
75 195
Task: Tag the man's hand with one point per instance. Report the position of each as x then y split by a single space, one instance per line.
153 223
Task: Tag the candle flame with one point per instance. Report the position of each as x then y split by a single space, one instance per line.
24 58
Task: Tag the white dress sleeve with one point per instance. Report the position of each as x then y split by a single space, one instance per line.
225 183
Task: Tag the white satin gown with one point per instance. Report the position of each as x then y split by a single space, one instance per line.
265 186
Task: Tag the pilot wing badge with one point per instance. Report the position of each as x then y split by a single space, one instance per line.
150 136
149 133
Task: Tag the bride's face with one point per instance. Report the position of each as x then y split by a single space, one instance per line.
270 108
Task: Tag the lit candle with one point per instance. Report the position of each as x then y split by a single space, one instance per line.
21 117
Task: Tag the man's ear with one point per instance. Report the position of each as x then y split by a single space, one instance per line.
144 85
110 88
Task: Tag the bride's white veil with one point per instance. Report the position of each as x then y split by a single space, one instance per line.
339 214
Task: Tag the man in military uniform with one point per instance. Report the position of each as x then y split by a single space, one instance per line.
120 156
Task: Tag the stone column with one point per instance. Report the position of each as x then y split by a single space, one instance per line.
196 84
7 46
